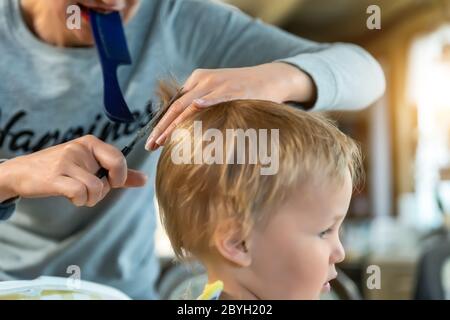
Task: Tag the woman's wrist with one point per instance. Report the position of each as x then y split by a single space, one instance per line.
6 191
297 86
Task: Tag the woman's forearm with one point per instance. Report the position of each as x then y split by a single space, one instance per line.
6 192
298 85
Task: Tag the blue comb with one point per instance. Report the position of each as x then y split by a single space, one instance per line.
113 51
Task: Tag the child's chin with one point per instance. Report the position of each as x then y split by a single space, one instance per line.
300 296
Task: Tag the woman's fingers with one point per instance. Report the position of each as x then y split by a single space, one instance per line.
81 155
204 102
109 158
84 189
174 111
215 98
193 108
106 188
209 87
92 184
135 179
72 189
69 170
196 86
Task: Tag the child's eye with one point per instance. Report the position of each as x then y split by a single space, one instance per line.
324 233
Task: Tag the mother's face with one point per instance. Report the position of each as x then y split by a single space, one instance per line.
83 36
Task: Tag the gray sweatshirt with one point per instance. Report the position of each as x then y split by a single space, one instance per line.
51 95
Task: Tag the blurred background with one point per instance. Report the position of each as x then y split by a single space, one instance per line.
397 232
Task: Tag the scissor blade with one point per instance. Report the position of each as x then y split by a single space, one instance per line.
145 131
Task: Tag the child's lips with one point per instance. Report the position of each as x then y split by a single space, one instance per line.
326 287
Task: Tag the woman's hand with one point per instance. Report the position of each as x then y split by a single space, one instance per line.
277 82
68 170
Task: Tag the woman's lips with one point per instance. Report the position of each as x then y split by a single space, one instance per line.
85 11
102 9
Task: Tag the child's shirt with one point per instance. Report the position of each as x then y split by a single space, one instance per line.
212 291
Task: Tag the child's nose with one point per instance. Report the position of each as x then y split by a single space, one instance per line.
338 254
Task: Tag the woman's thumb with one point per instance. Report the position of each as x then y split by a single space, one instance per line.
135 179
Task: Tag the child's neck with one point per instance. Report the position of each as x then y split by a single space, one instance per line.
233 289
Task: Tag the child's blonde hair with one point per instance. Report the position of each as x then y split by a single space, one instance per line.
197 199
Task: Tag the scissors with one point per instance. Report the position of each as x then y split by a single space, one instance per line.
144 131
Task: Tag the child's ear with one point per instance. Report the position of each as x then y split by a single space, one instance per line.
233 247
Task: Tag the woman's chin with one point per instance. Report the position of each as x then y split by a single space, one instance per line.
83 38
